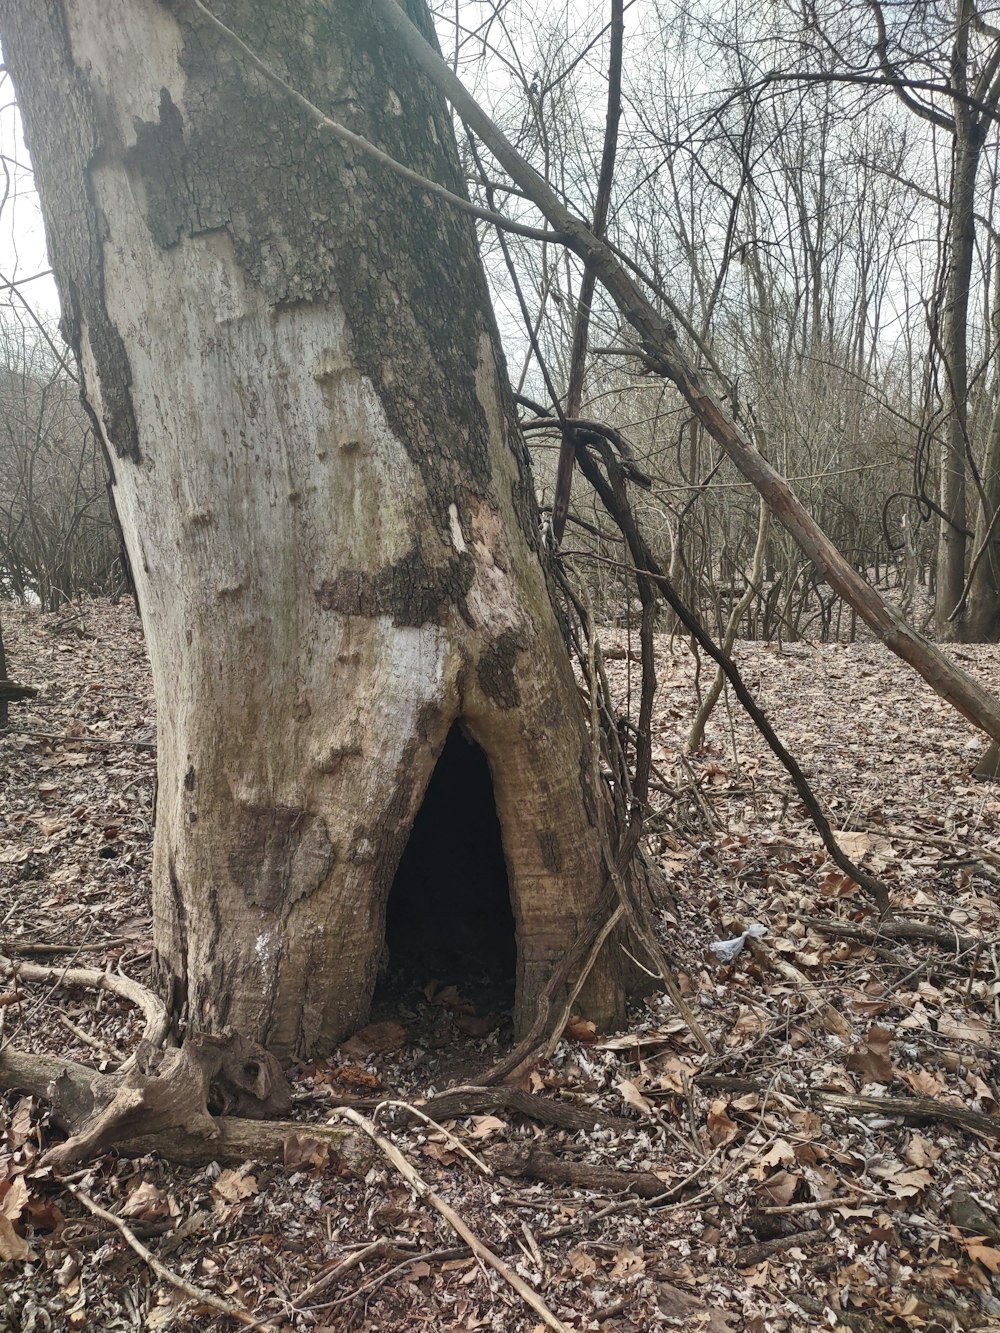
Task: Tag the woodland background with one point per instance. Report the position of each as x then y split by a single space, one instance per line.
787 174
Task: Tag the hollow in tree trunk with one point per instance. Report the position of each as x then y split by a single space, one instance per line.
327 505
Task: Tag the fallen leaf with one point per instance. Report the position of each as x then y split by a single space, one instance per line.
13 1248
305 1152
485 1125
966 1027
146 1202
582 1262
984 1254
580 1029
387 1036
13 1197
872 1058
628 1263
234 1187
633 1097
779 1188
720 1128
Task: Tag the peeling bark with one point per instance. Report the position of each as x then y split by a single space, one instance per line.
327 506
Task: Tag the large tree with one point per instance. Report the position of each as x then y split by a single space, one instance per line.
291 357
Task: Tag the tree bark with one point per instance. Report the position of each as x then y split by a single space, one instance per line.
951 558
327 506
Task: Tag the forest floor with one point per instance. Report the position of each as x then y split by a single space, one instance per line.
784 1196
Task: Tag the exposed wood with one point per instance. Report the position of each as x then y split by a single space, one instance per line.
172 1089
74 1090
917 1108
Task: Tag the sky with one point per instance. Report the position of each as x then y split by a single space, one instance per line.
22 235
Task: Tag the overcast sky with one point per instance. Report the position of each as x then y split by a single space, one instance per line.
22 236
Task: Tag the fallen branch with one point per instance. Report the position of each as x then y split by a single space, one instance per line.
462 1101
894 929
166 1274
424 1191
92 978
756 1254
917 1108
537 1164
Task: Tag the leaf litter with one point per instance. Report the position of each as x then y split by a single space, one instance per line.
807 1175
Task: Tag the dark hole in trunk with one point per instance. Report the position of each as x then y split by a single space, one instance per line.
449 917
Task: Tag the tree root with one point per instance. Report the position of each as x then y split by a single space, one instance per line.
92 978
158 1119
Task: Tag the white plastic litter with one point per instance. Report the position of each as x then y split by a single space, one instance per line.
727 950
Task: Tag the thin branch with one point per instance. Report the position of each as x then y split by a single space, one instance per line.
424 1191
165 1274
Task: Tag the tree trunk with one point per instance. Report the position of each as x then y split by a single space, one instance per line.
327 505
954 335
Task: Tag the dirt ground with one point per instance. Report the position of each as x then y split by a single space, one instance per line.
831 1164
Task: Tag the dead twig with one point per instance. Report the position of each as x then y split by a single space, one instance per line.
166 1274
455 1142
91 978
424 1191
755 1254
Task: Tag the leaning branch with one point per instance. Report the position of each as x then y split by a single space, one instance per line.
662 352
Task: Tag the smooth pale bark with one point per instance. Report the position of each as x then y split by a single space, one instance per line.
327 506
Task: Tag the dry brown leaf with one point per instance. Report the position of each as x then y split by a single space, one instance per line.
304 1152
927 1082
439 1152
872 1059
964 1027
580 1029
146 1202
13 1248
721 1129
387 1036
984 1254
779 1188
13 1197
633 1097
582 1262
629 1263
234 1187
920 1151
485 1125
780 1151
